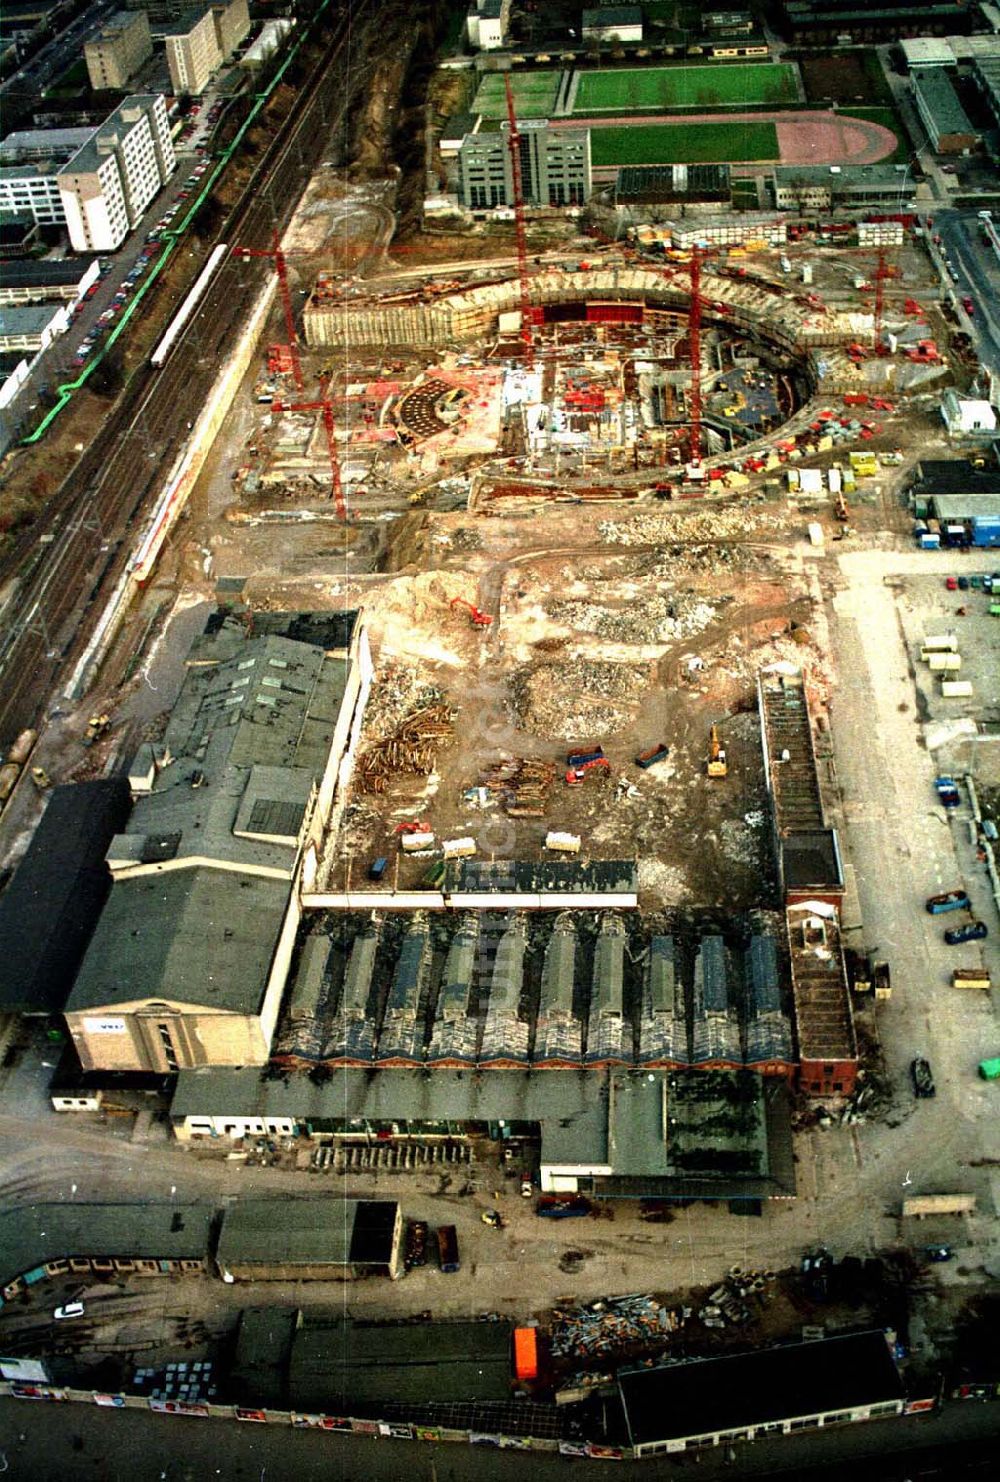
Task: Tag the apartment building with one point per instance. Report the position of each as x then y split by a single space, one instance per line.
32 190
193 52
555 167
109 182
232 22
117 51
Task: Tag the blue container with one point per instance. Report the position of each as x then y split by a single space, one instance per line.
930 541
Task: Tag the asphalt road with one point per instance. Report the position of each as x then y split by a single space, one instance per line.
55 56
72 1441
978 275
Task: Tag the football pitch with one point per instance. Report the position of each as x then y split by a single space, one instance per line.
684 144
534 94
660 88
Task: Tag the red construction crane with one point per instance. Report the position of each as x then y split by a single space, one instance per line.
882 272
694 344
281 268
514 145
325 406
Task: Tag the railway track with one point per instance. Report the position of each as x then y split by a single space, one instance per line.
65 572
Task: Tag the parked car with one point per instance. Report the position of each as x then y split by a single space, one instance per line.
923 1080
553 1207
950 900
415 1248
71 1309
969 931
939 1253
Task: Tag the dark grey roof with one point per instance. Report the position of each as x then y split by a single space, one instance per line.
68 271
33 1234
954 476
941 101
529 877
50 908
195 936
340 1363
672 182
811 858
723 1394
279 1232
615 15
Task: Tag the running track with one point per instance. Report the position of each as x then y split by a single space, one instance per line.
806 138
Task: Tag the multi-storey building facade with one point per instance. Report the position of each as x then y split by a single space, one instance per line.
117 51
232 22
109 182
555 167
192 51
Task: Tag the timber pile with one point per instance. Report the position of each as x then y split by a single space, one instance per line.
411 748
522 783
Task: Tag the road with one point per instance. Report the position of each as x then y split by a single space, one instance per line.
978 275
30 81
74 1441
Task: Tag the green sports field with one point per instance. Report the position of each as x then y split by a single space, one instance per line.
660 88
684 144
534 94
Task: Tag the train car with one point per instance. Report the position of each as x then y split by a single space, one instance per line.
188 307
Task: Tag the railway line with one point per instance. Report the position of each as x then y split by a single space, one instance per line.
63 574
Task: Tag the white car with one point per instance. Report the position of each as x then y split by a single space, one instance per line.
72 1309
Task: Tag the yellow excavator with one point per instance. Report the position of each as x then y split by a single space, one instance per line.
717 764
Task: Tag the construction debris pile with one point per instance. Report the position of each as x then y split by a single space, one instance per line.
522 784
721 522
616 1323
603 695
658 619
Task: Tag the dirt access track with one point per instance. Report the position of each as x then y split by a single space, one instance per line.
807 138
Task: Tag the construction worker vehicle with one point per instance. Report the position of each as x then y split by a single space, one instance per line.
718 766
97 726
477 617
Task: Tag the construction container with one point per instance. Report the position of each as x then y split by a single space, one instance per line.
566 843
944 663
413 843
986 531
990 1069
930 541
834 480
940 643
815 533
921 1205
970 977
956 689
21 749
458 848
807 273
865 465
526 1353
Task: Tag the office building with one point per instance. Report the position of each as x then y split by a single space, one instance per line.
486 24
32 191
555 167
117 51
193 52
107 185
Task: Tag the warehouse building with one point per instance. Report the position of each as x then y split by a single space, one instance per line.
117 50
292 1360
700 1134
613 23
678 186
822 22
944 118
769 1392
39 1241
190 956
36 282
310 1240
986 71
49 909
555 167
816 188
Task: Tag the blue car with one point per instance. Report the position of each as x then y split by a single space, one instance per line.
970 931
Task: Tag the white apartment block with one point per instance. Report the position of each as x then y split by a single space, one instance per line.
24 189
118 50
232 22
192 52
109 182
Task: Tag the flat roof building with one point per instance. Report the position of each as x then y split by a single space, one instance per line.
310 1240
612 23
117 50
34 282
763 1393
107 184
672 184
941 113
193 52
824 1017
555 167
32 327
29 190
486 24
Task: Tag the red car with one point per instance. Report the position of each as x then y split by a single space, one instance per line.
951 582
968 305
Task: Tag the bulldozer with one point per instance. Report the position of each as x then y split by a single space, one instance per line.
717 764
97 726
